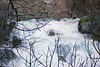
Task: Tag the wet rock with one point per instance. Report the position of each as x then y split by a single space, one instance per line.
63 51
84 26
51 33
16 42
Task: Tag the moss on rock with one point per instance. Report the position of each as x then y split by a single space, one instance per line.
81 22
87 22
51 33
90 25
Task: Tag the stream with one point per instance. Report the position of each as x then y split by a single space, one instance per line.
64 34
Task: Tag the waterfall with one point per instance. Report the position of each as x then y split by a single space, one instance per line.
64 31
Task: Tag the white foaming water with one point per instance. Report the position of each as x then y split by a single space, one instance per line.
69 35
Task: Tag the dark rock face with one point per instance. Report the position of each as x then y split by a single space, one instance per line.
97 27
97 31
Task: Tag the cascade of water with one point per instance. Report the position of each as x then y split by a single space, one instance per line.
69 35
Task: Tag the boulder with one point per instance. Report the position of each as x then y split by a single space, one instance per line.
84 26
63 51
51 33
90 25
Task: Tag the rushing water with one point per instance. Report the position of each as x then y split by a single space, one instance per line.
68 35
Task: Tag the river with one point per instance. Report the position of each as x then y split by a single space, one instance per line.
64 34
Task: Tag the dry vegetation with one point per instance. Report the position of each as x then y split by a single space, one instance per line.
38 9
